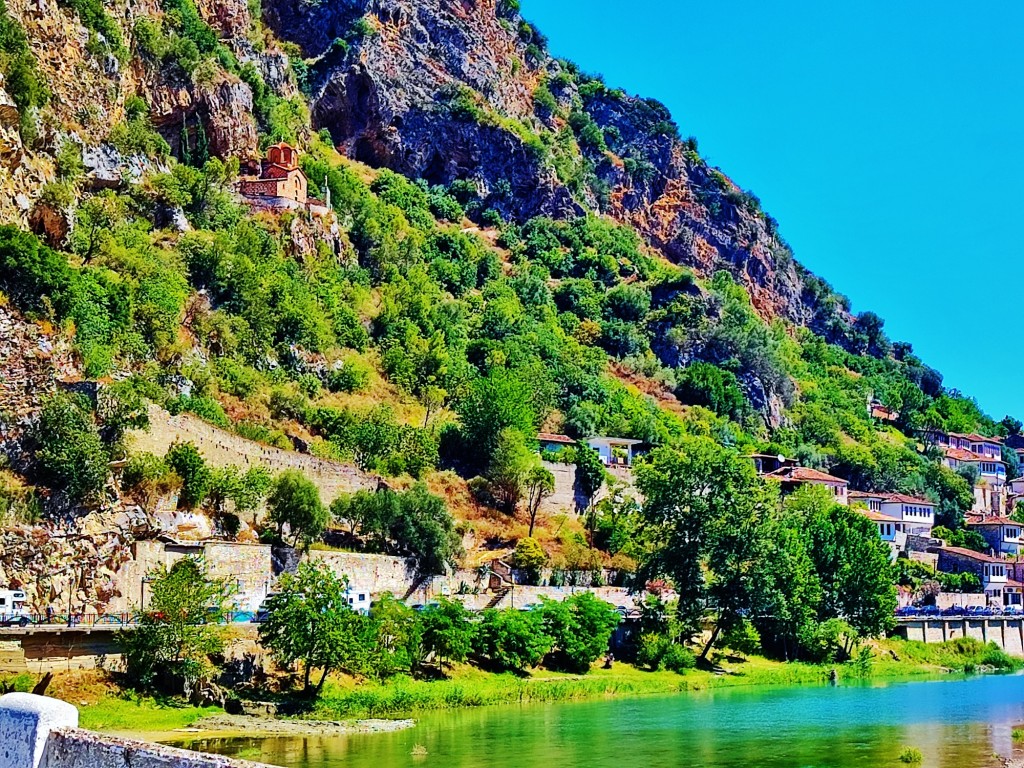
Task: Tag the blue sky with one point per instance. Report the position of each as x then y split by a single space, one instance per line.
886 138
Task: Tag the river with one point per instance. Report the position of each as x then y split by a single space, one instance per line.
954 723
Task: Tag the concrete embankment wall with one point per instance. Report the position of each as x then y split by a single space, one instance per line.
566 497
222 448
40 732
1006 632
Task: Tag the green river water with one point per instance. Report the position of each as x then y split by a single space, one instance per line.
954 723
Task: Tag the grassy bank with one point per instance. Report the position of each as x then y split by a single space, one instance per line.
104 707
135 714
469 687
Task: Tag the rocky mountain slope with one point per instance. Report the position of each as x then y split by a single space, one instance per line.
463 89
446 90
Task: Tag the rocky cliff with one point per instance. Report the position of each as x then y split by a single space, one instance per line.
451 90
445 90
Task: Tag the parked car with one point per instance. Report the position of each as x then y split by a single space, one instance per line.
12 608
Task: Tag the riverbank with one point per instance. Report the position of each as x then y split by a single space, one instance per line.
104 707
470 687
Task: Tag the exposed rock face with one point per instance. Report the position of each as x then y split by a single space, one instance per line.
90 92
69 564
392 99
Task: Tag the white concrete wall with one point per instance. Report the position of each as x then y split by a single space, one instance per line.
40 732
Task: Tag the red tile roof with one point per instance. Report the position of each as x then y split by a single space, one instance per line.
993 521
976 438
548 437
970 553
805 475
961 455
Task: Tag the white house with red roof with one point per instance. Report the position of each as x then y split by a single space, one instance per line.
908 514
982 453
791 478
1002 534
992 572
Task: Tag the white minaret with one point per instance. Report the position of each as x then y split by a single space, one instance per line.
327 190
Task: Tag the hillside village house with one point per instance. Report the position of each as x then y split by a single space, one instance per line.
552 442
992 572
791 478
277 182
881 412
907 514
766 463
1002 534
983 453
616 451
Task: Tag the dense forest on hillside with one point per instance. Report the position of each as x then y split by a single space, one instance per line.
452 322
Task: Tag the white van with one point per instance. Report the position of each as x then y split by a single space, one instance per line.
12 608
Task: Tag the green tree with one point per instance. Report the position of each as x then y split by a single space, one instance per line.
530 557
414 523
310 621
703 523
540 484
495 403
590 472
189 465
447 632
742 638
398 638
66 448
851 561
580 628
715 388
511 640
511 466
787 592
178 631
294 501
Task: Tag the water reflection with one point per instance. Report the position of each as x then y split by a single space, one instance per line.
955 724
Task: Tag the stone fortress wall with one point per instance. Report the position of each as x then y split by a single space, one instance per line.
222 448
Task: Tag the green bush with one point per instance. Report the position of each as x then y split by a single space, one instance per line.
95 18
66 449
186 461
911 755
21 74
678 659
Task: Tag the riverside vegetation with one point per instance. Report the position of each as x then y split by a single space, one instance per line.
450 326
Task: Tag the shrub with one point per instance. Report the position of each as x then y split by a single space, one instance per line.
352 376
544 100
95 18
190 466
911 755
678 659
650 650
66 448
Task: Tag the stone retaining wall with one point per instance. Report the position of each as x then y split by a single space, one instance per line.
221 448
1006 632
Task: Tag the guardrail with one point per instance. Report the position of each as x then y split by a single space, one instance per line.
127 619
987 613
